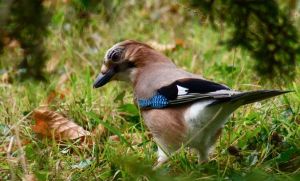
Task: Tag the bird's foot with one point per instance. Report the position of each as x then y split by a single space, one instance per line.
159 164
202 161
162 158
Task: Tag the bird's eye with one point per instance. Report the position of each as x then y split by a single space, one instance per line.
115 54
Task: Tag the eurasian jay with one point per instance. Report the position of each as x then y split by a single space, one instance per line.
178 107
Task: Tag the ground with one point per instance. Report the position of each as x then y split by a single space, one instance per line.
260 141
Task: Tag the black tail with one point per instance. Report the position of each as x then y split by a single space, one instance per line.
254 96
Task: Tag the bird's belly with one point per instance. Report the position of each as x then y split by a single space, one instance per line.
204 122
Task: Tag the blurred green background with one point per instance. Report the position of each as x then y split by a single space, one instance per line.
51 50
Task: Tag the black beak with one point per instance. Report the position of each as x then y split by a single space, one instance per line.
102 79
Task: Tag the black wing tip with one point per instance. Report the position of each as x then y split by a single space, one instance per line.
273 93
273 90
281 91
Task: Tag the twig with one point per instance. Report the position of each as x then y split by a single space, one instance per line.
22 154
8 155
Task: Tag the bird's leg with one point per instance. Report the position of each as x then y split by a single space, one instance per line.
162 158
202 155
203 152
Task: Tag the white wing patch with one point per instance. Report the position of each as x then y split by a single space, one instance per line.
222 93
182 90
184 96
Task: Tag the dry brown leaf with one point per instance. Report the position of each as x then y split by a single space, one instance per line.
52 63
133 138
166 47
59 91
52 95
99 131
162 47
29 177
5 78
13 44
61 94
50 123
179 42
62 79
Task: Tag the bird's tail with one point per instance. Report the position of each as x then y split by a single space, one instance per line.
255 96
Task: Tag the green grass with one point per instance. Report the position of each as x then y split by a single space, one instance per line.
266 134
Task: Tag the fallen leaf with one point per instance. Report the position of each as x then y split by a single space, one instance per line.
29 177
49 123
13 44
59 90
52 95
167 47
179 42
5 78
52 63
99 131
61 94
162 47
62 79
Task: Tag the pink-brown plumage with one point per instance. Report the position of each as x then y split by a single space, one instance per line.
167 126
196 124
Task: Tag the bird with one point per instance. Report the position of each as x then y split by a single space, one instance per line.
178 107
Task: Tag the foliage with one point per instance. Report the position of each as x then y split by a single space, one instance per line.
26 21
85 8
260 141
260 27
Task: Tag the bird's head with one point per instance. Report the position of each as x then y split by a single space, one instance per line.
123 60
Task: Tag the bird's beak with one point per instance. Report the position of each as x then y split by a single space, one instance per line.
104 78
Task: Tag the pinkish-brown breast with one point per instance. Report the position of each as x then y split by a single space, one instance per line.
167 125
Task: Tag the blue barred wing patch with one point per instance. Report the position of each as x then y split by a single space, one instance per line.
157 102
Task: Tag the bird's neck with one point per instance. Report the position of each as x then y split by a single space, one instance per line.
147 79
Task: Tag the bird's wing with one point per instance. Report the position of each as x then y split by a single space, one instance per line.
191 89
